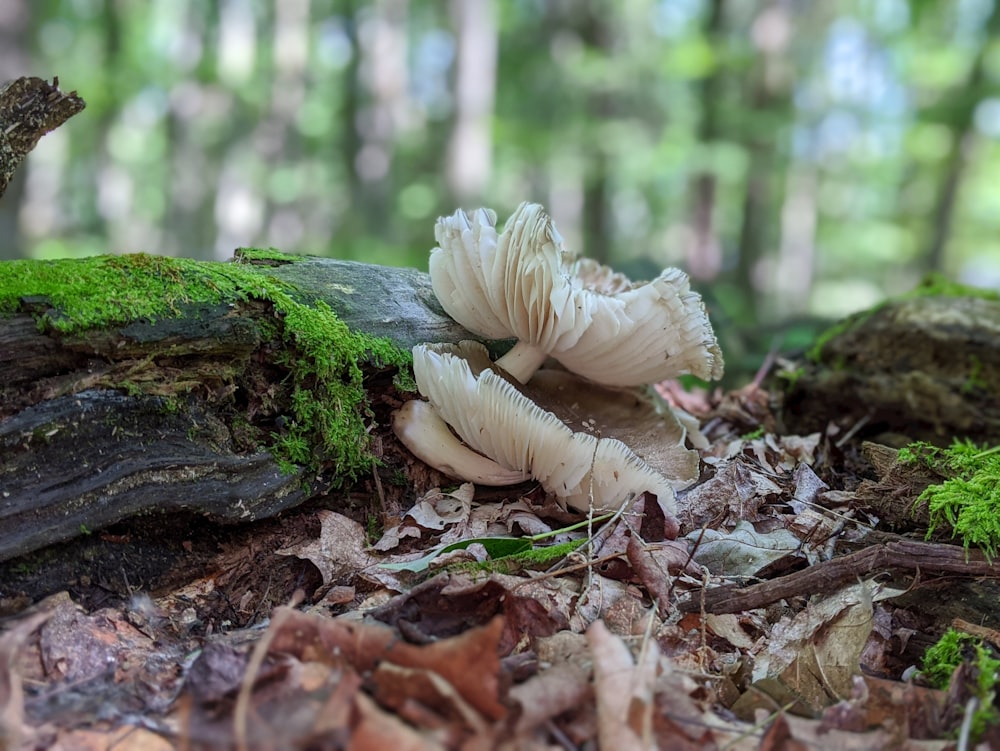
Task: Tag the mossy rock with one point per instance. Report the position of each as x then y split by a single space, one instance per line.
925 365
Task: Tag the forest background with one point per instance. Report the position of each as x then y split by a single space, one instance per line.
801 160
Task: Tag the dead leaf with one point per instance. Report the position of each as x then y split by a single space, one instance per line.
807 487
341 553
624 690
736 492
12 728
378 730
437 510
470 661
425 699
815 655
560 688
742 552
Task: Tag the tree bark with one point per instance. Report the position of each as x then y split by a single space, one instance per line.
142 416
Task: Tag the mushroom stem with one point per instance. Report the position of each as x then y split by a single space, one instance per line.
419 427
522 361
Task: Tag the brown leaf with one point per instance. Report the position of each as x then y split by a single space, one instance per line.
470 661
624 690
341 553
11 691
377 730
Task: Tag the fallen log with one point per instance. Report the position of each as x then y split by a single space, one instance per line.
137 384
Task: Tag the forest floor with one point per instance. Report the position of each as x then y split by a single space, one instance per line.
477 618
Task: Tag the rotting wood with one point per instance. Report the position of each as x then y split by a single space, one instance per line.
152 416
30 108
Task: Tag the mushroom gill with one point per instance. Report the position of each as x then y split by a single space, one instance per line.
494 419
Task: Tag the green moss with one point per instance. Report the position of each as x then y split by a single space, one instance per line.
953 649
968 501
815 353
320 354
543 556
108 290
790 376
939 285
271 256
932 285
975 379
404 381
536 558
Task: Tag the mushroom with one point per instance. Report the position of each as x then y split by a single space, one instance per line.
598 324
492 417
420 428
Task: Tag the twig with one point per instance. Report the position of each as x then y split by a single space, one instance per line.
828 576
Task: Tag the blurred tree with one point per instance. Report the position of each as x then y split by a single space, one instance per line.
704 251
804 157
470 148
957 114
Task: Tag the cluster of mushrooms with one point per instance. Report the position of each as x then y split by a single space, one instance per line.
482 421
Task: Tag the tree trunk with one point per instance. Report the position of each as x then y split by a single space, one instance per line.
470 149
704 253
242 397
961 114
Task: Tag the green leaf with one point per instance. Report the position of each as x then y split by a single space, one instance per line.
497 547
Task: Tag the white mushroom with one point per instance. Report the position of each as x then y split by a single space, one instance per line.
523 283
419 427
492 417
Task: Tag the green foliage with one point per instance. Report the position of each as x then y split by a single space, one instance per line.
969 500
939 285
506 553
790 376
638 122
950 651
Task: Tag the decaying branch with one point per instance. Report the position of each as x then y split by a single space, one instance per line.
907 555
29 108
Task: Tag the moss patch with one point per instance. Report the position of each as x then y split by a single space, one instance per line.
321 355
953 649
969 500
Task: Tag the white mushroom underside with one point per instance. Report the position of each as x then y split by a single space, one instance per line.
420 428
522 283
493 418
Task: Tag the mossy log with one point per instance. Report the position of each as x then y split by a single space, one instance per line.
926 367
135 385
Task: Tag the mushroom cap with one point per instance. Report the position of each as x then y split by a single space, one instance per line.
495 419
523 283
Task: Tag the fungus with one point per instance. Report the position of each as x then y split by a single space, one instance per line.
495 419
598 324
419 427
